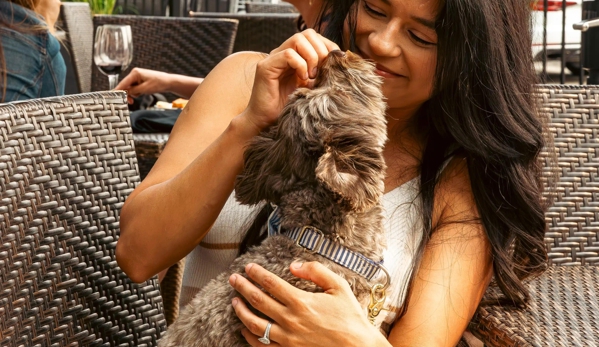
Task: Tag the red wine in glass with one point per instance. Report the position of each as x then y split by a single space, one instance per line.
113 50
110 69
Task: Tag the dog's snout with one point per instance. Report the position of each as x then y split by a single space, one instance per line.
338 53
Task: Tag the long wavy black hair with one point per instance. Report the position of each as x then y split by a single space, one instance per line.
482 106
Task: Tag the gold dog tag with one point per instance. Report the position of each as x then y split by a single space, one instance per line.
377 299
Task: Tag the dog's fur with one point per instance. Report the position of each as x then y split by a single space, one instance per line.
323 165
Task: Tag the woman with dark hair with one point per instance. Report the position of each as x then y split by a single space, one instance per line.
31 65
463 197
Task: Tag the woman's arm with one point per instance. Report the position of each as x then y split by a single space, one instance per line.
174 207
170 212
143 81
455 270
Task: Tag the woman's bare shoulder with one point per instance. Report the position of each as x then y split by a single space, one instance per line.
231 79
222 95
454 198
455 268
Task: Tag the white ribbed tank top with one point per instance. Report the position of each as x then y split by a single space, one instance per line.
403 227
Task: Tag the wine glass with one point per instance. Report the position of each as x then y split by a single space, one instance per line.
113 50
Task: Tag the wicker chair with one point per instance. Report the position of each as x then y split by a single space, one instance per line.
142 7
187 46
564 310
258 32
260 7
76 20
67 164
238 6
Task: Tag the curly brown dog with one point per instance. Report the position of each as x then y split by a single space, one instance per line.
322 165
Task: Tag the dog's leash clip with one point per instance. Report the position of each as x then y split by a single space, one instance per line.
378 295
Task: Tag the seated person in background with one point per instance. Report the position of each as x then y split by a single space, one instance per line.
141 82
145 82
31 65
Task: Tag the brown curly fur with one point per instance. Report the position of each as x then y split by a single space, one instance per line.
323 165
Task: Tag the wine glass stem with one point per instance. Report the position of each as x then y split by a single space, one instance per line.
113 80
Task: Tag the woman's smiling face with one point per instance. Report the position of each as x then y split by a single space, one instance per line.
399 36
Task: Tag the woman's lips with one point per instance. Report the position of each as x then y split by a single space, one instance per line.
384 72
380 69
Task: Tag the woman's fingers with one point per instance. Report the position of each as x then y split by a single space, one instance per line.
321 46
138 89
130 80
288 67
321 276
276 65
330 45
311 46
256 297
256 325
253 339
273 284
311 51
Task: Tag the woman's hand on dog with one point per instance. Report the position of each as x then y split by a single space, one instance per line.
299 318
293 64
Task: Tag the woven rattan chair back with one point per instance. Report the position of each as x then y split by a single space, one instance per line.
238 6
260 7
76 21
142 7
258 32
565 299
187 46
573 219
67 164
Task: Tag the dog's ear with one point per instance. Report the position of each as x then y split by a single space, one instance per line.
250 185
265 169
356 177
270 160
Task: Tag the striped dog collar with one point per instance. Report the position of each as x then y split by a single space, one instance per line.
314 240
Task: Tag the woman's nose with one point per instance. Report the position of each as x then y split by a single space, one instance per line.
385 41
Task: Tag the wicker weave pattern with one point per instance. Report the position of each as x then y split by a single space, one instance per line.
67 164
259 7
258 32
170 288
187 46
564 301
573 236
562 312
148 148
77 22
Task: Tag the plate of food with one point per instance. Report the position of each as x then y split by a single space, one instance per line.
178 103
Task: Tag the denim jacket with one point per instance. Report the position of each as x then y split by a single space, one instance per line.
34 66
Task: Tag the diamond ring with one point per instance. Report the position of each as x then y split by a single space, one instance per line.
266 338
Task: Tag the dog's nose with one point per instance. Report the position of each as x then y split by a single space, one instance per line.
338 53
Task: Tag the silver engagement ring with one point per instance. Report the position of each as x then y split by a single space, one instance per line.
266 338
